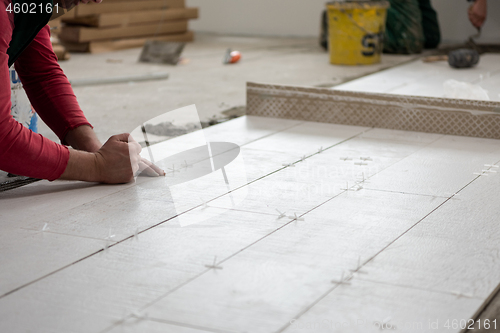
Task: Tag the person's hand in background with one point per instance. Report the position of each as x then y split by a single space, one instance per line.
477 13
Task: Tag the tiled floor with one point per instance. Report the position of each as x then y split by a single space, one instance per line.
335 228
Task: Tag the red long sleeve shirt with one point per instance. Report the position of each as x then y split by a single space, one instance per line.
23 152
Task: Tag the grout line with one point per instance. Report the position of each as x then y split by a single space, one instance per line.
168 322
208 329
416 288
64 234
408 193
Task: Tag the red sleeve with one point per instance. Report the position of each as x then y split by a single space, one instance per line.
47 87
23 152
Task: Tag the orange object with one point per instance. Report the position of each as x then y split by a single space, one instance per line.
235 57
232 57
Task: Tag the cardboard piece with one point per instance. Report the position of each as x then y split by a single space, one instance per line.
122 44
127 19
78 34
409 113
159 52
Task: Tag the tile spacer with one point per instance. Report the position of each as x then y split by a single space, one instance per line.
214 266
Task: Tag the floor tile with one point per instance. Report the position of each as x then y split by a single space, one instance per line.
441 169
100 291
454 250
264 286
306 138
30 255
371 307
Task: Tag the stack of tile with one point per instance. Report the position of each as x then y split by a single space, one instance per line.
120 24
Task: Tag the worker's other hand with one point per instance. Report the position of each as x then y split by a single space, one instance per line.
118 160
477 13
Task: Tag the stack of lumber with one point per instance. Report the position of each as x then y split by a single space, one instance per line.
121 24
59 49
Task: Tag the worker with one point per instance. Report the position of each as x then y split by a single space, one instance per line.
412 25
25 42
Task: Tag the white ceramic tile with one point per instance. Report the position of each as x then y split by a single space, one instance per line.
372 307
116 216
302 187
306 138
20 206
263 287
401 136
390 79
426 79
30 255
97 293
440 169
246 129
455 249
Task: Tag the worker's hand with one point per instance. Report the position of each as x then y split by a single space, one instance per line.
477 13
118 160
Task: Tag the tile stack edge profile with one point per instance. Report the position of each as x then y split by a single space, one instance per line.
410 113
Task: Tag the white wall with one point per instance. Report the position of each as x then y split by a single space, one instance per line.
302 18
259 17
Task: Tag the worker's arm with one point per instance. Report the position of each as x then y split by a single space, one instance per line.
51 94
23 152
477 13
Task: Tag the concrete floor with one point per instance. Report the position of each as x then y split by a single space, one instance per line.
203 81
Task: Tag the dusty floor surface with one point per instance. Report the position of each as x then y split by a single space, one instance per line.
203 81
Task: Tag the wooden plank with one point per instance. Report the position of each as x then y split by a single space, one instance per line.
410 113
82 34
126 43
128 19
127 6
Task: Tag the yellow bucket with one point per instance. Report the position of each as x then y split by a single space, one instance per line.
356 31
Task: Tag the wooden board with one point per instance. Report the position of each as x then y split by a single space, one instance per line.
128 19
126 43
127 6
78 34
